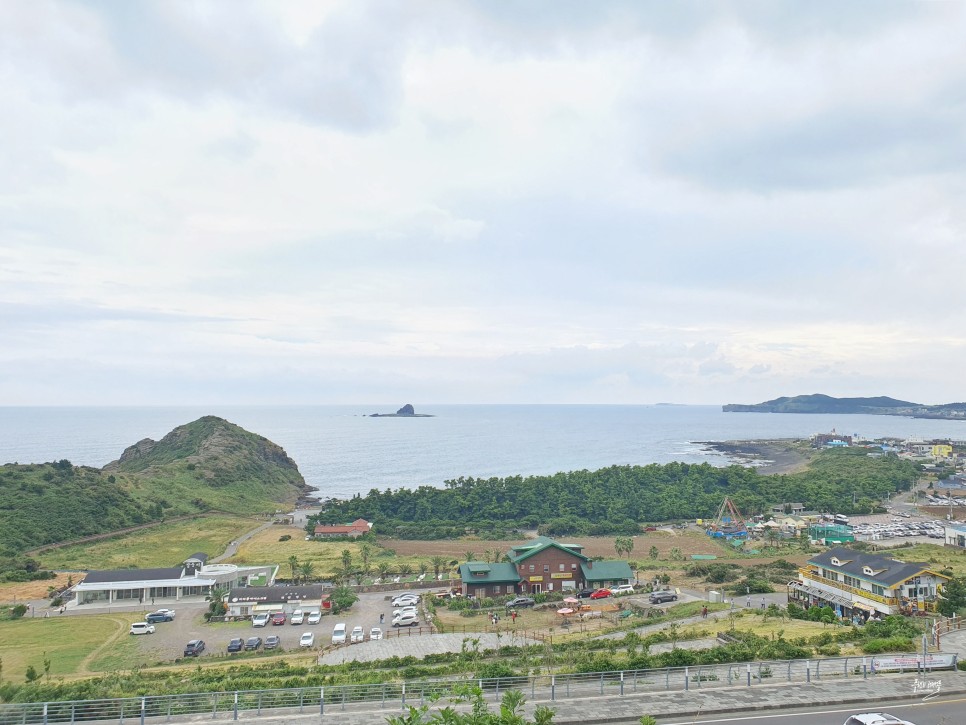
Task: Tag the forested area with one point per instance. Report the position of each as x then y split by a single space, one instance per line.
51 502
616 500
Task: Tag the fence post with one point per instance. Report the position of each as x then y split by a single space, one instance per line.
686 678
789 670
749 675
236 708
808 671
601 683
622 683
301 700
321 701
865 669
45 713
404 696
142 711
553 688
667 678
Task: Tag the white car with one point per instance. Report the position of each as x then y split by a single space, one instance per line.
623 589
261 620
405 610
142 628
314 617
298 616
375 633
876 718
405 620
338 633
405 600
358 635
307 639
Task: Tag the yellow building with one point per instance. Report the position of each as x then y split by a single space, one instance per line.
942 451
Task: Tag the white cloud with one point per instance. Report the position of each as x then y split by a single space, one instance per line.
342 201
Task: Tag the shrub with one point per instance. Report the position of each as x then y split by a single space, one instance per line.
887 644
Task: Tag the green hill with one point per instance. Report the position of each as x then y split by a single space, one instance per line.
207 464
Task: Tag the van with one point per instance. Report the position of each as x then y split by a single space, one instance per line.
338 633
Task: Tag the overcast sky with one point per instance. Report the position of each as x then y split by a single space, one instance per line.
534 202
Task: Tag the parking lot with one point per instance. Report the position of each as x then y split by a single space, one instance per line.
170 638
891 529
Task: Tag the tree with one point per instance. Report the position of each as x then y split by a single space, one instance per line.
18 611
383 568
405 569
623 545
676 554
438 563
293 561
653 552
342 598
365 553
423 568
346 562
307 569
470 555
953 597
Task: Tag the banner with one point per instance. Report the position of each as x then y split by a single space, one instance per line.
912 662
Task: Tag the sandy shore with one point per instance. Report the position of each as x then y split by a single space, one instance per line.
782 455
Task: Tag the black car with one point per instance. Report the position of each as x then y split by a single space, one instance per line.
236 645
585 593
253 643
271 642
194 648
520 602
661 597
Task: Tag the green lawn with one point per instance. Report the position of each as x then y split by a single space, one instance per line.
66 640
936 556
163 545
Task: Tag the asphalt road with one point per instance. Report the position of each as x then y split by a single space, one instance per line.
938 711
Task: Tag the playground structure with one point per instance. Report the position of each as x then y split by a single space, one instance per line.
728 524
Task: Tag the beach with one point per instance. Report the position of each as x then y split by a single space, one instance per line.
768 456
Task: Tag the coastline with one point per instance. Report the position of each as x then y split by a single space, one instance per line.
768 456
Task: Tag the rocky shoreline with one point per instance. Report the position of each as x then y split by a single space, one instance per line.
772 456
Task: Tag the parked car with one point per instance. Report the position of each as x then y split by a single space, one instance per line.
272 641
253 643
358 635
585 593
338 633
405 610
405 620
194 648
404 600
661 597
298 616
236 645
601 594
162 615
876 718
260 620
375 633
307 639
142 628
623 589
314 617
278 618
520 602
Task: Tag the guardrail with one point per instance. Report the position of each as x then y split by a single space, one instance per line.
331 700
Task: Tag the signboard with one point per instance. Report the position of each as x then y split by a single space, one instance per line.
536 579
562 575
911 662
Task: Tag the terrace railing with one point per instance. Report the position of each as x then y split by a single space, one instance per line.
332 700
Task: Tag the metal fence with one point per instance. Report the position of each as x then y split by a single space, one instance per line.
332 700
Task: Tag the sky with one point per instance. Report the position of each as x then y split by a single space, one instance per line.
556 201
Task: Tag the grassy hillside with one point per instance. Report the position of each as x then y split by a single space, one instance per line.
204 465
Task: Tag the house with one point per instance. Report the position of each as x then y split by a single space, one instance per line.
955 534
541 565
249 601
855 583
127 586
356 528
792 508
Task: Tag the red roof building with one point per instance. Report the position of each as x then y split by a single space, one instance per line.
356 528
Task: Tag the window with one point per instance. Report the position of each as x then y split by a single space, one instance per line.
562 567
573 567
851 581
509 589
496 588
876 589
546 568
532 568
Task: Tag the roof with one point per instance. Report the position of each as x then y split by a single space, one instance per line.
335 529
481 572
133 575
200 556
541 543
887 572
607 571
275 594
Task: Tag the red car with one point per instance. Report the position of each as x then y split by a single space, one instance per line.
278 618
601 594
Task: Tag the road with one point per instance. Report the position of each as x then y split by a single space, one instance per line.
938 711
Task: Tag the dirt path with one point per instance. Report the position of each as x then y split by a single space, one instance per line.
83 667
232 548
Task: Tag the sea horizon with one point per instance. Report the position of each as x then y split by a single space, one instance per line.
341 451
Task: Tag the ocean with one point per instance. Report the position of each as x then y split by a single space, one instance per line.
341 451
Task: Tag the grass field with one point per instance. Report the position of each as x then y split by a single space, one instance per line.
11 592
936 556
164 545
67 642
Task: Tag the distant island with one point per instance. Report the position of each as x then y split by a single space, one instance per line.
870 406
407 411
